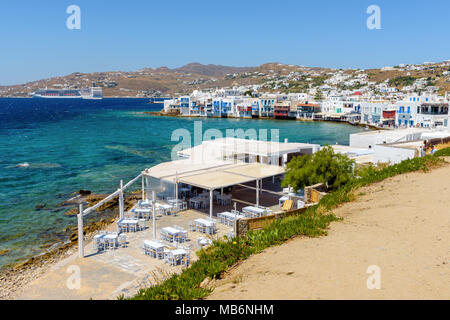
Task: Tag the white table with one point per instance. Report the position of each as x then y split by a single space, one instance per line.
224 199
164 208
282 200
205 226
173 234
253 212
145 203
106 240
177 257
154 249
177 203
196 202
142 212
228 218
128 224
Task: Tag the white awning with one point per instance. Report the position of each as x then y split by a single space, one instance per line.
214 175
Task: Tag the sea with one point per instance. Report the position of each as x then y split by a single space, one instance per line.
51 148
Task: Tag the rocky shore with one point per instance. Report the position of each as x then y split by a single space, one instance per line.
14 277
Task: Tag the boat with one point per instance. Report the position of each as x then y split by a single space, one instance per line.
94 93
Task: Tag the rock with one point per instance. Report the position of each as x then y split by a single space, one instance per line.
3 252
84 192
74 237
40 207
206 283
71 212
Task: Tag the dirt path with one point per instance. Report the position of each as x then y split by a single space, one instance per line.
401 225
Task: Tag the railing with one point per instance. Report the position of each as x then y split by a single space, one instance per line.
82 213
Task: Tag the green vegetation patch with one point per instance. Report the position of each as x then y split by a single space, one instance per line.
443 153
402 81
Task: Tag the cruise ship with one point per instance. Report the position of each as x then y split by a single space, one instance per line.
85 93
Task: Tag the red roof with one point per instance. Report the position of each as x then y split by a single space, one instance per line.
357 93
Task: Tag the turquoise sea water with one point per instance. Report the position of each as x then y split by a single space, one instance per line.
51 148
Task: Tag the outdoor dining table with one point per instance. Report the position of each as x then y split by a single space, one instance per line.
142 212
145 203
185 192
205 226
177 203
223 199
128 225
253 212
111 240
164 208
172 234
282 200
106 240
154 248
228 218
178 257
196 202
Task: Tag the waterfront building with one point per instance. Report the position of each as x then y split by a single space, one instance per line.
422 111
266 105
374 112
306 110
282 109
244 108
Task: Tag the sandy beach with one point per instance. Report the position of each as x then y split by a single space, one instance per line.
401 225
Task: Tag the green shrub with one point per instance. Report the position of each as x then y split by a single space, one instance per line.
443 153
325 166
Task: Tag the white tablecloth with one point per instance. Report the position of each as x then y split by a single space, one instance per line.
153 244
206 223
255 210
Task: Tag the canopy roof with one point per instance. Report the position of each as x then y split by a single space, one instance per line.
227 147
214 175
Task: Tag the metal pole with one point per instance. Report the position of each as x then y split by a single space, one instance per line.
154 213
146 188
121 204
80 232
176 192
210 204
143 189
257 193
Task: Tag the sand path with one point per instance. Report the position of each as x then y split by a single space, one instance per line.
401 225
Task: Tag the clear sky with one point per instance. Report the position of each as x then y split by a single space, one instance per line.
129 35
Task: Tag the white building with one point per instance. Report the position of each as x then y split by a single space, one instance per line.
422 111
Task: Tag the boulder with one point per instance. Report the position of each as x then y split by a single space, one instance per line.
84 192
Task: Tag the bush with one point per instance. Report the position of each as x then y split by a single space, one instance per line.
324 166
443 153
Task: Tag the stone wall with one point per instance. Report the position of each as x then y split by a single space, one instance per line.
242 226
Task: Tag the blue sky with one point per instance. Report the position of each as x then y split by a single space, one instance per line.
128 35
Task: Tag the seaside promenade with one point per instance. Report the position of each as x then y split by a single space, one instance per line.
108 274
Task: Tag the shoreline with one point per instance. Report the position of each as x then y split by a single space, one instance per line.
14 276
163 114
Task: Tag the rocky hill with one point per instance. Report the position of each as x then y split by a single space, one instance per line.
163 81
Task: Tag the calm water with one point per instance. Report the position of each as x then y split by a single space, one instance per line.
52 148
